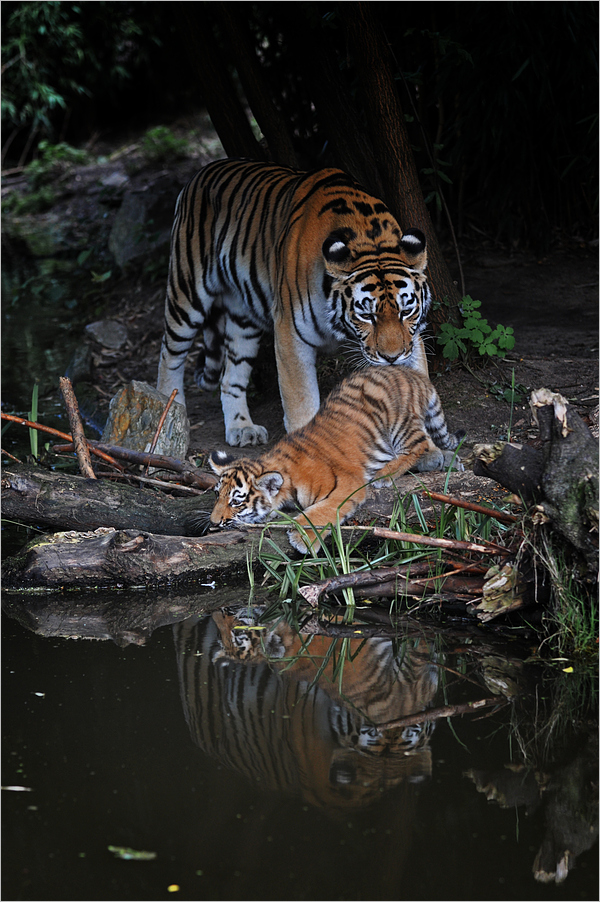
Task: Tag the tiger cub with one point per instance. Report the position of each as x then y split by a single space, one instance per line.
309 256
376 423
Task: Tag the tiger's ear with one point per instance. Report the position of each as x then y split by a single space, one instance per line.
336 252
413 247
220 460
270 482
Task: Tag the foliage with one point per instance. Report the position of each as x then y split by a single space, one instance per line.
58 58
474 334
52 160
359 553
160 144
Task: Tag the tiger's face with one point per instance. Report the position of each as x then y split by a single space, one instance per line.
246 494
380 298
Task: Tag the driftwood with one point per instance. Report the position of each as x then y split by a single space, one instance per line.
560 479
41 497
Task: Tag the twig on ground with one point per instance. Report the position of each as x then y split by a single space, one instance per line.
190 474
11 418
451 544
161 423
470 506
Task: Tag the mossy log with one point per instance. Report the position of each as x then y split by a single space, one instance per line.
560 479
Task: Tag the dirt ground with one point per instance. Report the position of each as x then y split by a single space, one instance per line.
552 305
551 302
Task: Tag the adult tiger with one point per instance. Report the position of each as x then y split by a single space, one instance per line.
311 256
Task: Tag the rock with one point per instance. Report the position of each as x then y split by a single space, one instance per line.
140 226
108 333
133 417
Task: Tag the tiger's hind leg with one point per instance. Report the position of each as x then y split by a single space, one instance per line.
209 365
242 342
182 321
437 428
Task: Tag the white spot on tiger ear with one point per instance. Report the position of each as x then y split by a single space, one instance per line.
219 460
411 239
337 246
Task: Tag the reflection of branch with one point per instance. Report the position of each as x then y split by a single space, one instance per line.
437 713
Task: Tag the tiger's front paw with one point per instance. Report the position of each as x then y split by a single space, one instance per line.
300 541
240 436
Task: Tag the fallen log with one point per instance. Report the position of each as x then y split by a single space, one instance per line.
110 558
33 495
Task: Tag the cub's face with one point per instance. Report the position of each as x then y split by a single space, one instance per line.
379 296
245 492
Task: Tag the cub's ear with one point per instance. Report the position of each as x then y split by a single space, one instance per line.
270 482
336 252
413 246
220 460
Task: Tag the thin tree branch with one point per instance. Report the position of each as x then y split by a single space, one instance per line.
79 439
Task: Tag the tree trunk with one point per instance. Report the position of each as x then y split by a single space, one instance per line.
562 478
112 559
395 158
217 90
256 88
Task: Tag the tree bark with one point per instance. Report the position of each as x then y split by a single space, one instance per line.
561 479
256 88
110 558
395 158
40 497
216 87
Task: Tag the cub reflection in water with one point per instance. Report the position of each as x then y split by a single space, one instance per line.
251 702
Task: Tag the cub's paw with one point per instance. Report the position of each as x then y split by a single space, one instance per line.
303 542
241 436
382 483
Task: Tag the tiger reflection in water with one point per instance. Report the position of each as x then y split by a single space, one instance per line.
250 703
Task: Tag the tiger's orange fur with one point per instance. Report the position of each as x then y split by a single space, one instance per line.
376 424
310 256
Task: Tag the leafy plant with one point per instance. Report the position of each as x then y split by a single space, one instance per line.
475 334
52 160
160 144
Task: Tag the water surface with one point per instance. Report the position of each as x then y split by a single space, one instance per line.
210 746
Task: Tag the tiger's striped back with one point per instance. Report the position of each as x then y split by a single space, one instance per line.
376 424
311 256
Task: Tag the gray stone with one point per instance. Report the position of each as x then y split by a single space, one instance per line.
108 333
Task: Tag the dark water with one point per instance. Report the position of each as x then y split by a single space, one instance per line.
249 783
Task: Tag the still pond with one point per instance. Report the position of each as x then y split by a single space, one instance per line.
209 759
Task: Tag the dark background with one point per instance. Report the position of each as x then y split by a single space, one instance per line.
499 99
